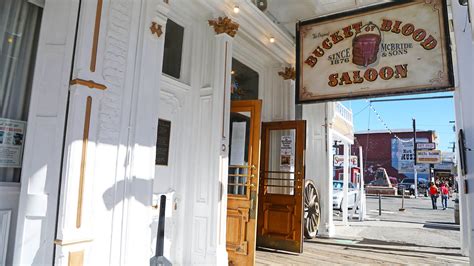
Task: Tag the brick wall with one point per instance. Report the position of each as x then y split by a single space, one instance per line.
377 151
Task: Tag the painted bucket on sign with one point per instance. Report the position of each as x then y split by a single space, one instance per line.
365 45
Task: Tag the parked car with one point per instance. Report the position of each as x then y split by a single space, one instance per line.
409 184
338 194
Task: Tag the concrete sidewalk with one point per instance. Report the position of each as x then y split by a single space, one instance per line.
420 235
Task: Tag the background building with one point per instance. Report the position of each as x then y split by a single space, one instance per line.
394 152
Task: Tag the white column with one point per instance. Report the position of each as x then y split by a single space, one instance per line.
345 189
319 162
363 209
220 145
464 118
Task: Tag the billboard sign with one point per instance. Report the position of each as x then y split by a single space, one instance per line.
393 48
403 156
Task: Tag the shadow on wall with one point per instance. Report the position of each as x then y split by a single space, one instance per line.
139 189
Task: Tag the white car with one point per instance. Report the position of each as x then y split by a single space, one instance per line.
337 195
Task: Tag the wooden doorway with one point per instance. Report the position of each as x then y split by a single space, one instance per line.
244 153
280 203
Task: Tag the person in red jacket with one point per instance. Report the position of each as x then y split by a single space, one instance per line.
444 195
434 195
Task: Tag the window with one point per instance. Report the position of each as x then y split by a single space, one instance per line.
244 84
19 29
173 49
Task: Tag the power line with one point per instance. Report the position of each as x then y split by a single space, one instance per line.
360 111
411 99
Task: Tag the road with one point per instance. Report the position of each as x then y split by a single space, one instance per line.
419 235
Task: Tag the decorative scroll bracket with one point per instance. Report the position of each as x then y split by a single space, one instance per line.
289 73
224 25
156 28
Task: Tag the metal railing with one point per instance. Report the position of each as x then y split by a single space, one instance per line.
344 112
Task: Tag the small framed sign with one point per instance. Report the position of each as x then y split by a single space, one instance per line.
394 48
163 142
425 146
428 156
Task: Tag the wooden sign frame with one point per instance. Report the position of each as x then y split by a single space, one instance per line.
375 77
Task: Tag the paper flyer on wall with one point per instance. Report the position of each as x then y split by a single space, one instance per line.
12 133
286 153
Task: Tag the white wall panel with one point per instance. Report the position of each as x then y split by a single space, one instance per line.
36 219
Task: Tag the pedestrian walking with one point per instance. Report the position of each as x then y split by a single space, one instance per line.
444 195
434 195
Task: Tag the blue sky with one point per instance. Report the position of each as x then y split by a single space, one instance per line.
433 114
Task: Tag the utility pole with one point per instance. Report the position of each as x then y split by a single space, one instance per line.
415 173
453 148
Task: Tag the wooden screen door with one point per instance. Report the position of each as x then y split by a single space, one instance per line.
244 150
280 203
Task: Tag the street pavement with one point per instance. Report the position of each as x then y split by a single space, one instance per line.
418 235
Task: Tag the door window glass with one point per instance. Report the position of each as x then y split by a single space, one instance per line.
239 153
280 173
173 49
244 82
19 29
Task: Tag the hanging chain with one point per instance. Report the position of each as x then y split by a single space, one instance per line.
386 126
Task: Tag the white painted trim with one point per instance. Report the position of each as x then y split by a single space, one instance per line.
5 219
464 119
174 83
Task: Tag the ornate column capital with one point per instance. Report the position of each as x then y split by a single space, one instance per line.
289 73
224 25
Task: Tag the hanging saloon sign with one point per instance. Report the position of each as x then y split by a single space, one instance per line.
389 49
